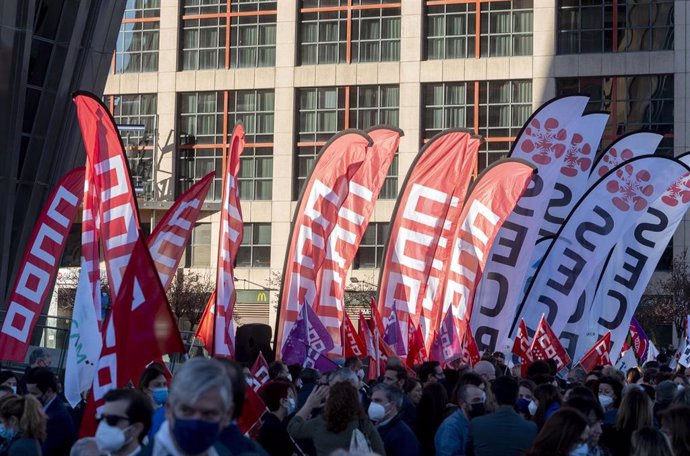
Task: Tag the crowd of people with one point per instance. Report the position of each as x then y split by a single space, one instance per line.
488 409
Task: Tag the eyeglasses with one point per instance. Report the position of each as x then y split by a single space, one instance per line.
112 420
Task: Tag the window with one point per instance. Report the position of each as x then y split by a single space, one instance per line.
137 43
198 253
458 29
323 112
228 34
205 124
370 252
346 31
497 110
255 250
131 112
634 102
614 26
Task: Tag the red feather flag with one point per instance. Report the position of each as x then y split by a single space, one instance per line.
353 344
598 355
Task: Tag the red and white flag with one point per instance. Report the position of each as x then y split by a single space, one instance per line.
470 351
416 350
430 199
521 344
365 335
598 355
169 239
315 218
352 343
353 219
545 345
39 267
259 372
117 209
252 411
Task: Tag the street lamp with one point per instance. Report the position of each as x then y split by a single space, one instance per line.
356 280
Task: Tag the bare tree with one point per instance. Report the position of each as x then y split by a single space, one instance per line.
188 295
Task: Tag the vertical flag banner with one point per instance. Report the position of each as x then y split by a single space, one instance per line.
316 216
169 239
352 343
633 261
554 140
593 227
353 219
230 238
119 217
545 345
598 355
433 191
623 149
491 200
39 267
521 344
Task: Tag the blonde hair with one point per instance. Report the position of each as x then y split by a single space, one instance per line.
648 441
29 413
635 412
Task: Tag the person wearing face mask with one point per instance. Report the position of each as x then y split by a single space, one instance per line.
384 412
547 400
516 434
595 415
60 430
525 397
22 426
154 384
8 378
397 376
564 434
200 405
123 422
280 399
610 392
453 433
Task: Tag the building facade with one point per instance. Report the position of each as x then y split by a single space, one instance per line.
297 71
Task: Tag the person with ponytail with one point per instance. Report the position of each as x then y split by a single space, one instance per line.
22 425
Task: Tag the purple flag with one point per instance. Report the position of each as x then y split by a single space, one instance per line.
446 346
392 334
307 340
638 340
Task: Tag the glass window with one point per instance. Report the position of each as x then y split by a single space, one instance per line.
344 32
207 43
497 110
323 112
255 250
370 252
635 102
586 26
198 253
132 112
504 28
137 43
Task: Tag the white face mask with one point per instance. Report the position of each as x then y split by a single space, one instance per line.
605 400
14 389
376 412
580 450
680 387
532 408
109 438
291 405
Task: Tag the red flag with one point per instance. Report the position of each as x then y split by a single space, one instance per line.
546 345
490 201
470 351
204 331
252 411
598 355
365 335
259 372
376 319
352 221
169 239
315 218
39 267
521 344
352 343
429 201
141 328
416 351
117 211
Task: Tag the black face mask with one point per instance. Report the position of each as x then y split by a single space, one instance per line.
477 410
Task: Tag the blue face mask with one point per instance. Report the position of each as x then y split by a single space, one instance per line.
195 436
580 450
7 433
160 395
523 406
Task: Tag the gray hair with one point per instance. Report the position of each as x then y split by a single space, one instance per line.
198 376
84 447
37 354
344 374
392 393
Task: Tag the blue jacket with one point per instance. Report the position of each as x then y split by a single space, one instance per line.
452 436
398 438
515 434
60 432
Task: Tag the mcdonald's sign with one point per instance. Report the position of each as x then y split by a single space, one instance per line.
253 296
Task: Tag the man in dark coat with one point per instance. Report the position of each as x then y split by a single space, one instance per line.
398 438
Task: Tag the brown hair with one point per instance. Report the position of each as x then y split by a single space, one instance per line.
561 433
635 411
29 412
341 407
546 394
650 442
152 372
676 419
